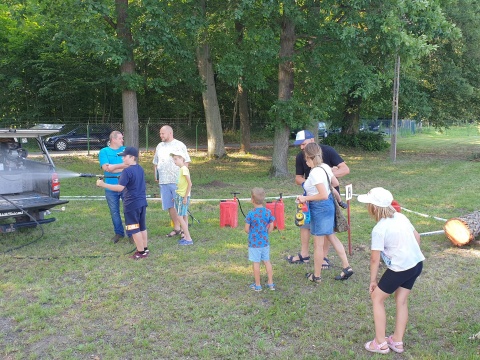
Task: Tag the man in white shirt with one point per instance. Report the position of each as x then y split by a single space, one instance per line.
166 172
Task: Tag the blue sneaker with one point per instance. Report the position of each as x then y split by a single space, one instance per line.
185 242
255 287
271 286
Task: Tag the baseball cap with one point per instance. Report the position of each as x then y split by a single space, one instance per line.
129 150
377 196
302 136
177 153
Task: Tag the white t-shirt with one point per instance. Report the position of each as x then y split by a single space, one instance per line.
395 239
318 176
167 170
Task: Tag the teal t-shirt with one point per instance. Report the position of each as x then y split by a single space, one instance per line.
110 156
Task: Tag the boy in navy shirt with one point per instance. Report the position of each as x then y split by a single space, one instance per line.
132 184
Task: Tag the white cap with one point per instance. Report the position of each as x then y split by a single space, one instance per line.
377 196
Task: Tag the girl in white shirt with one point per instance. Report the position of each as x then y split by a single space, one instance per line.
395 240
322 212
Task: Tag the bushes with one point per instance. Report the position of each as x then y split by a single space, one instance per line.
369 141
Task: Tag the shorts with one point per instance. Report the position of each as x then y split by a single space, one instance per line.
135 220
259 254
182 209
167 192
322 216
392 280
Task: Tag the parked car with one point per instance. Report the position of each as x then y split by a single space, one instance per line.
322 131
29 187
82 137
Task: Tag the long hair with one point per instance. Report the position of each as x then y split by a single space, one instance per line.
314 152
378 212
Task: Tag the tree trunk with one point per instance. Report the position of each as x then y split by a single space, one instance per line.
127 69
244 119
463 229
351 115
285 92
216 147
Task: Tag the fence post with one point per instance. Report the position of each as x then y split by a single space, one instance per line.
88 138
146 134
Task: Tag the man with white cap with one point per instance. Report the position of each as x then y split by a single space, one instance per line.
339 168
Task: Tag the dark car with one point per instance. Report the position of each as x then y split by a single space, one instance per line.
82 137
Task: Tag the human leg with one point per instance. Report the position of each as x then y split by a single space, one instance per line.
317 256
256 273
167 192
113 202
269 270
340 250
304 254
380 319
395 341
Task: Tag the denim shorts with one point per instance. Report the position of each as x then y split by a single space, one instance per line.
259 254
167 192
322 216
182 209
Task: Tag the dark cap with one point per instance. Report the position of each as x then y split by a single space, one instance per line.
302 136
129 150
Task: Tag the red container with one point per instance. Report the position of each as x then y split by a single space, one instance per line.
228 213
278 210
396 206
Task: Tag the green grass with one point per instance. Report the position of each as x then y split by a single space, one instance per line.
72 294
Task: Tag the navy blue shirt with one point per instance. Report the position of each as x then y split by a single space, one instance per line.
135 192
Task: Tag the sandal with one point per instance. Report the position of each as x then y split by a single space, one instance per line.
345 274
377 348
301 259
174 233
394 345
326 264
313 278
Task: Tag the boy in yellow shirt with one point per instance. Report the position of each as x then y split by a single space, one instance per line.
182 197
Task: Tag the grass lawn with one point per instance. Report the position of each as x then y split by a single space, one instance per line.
67 292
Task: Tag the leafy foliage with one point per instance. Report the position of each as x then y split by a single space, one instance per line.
369 141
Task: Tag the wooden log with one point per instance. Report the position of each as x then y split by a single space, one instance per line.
463 229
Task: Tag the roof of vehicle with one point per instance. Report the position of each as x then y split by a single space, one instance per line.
36 131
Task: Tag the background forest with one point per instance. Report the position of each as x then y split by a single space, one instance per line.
238 64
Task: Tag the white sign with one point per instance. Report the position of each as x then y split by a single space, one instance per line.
348 192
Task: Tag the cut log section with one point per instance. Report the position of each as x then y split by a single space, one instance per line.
463 229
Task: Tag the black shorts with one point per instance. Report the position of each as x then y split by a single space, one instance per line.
135 220
392 280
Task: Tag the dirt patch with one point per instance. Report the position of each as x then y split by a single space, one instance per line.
215 184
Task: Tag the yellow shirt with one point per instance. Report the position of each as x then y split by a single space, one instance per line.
182 184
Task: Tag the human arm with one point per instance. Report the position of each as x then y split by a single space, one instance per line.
321 195
270 227
155 173
374 265
417 236
114 168
299 179
189 188
340 170
117 188
247 228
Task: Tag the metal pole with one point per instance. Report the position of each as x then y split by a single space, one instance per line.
394 126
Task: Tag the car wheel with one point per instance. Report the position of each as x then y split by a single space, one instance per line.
61 145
